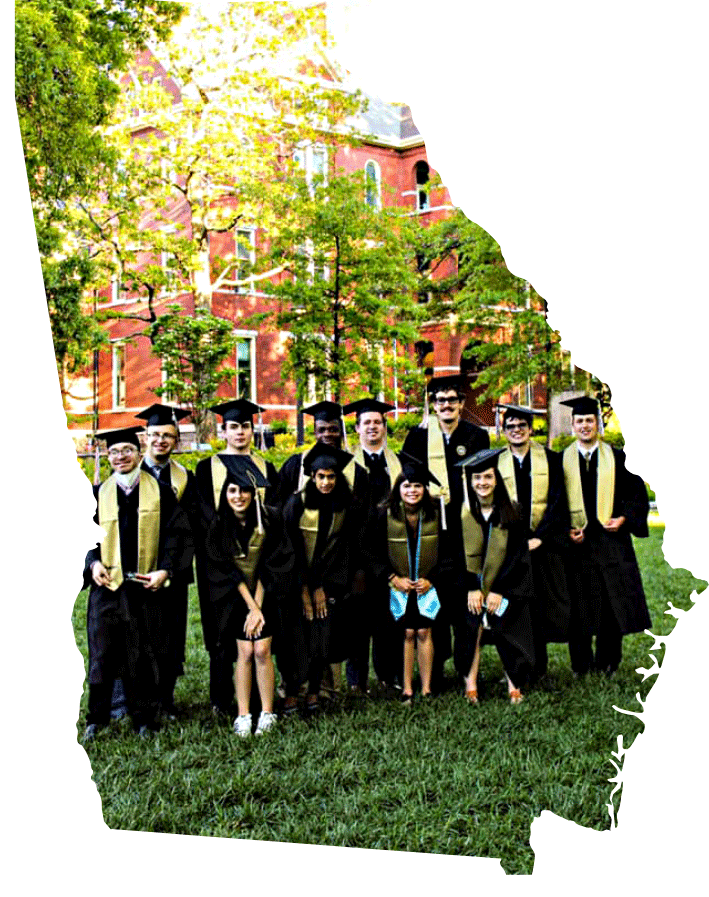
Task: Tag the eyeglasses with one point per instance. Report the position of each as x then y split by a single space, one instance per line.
516 426
449 400
121 453
157 436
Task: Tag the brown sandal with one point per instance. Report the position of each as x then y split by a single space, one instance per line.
471 696
516 696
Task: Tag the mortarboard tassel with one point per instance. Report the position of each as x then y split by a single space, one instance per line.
97 464
444 524
424 419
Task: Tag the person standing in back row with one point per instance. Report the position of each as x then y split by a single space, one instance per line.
607 505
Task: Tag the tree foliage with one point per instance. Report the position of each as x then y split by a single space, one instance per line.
475 292
345 294
193 350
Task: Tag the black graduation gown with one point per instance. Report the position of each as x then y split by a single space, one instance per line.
289 479
176 608
388 632
303 640
603 569
125 627
551 606
274 570
512 632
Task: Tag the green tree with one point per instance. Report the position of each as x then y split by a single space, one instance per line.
193 350
462 268
68 54
345 293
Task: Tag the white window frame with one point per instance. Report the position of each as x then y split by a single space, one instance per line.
376 183
251 232
118 350
250 337
307 153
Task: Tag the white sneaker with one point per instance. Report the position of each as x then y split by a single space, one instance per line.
242 725
265 721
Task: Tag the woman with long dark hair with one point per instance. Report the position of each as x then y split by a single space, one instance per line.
247 562
325 523
410 556
497 578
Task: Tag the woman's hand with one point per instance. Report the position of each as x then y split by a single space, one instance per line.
401 583
475 601
576 535
100 574
422 586
320 603
493 602
614 524
254 623
534 543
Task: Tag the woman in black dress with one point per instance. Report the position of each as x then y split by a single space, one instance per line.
246 560
497 577
411 558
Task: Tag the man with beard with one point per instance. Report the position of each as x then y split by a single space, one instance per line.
441 442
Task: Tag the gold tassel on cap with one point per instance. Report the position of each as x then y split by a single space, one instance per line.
426 412
259 516
444 524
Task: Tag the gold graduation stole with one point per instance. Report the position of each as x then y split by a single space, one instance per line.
393 463
489 566
219 473
178 479
437 460
248 563
605 484
540 480
148 527
308 525
398 543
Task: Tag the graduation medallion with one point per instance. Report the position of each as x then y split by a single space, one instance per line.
460 450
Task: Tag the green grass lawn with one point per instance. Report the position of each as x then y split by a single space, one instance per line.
440 777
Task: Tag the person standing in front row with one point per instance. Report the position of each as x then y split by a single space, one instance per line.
441 442
498 584
148 540
210 474
410 552
325 524
607 505
534 479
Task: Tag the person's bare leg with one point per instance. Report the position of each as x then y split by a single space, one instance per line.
242 675
265 673
471 680
424 645
409 654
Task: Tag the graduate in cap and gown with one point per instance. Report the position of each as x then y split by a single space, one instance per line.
607 506
238 429
383 467
163 435
442 440
325 524
534 479
411 563
498 582
148 541
249 567
329 429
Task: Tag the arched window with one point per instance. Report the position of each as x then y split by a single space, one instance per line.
422 177
372 185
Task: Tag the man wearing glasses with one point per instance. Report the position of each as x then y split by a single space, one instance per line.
147 542
534 479
161 424
441 442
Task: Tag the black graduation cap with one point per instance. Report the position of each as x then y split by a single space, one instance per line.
325 457
445 383
361 406
126 434
482 460
519 411
324 411
582 405
416 471
239 410
242 471
159 415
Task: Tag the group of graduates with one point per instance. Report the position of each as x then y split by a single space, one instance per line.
518 547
